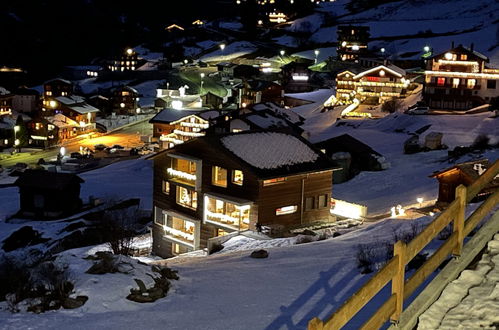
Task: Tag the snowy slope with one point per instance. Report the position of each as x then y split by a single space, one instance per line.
468 21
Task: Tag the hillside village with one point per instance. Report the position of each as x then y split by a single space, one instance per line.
255 171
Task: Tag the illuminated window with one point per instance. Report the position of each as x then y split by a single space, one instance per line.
183 170
286 210
323 201
48 93
455 82
464 57
440 81
38 126
125 93
273 181
166 187
230 215
187 198
309 203
471 83
50 127
237 177
64 93
219 176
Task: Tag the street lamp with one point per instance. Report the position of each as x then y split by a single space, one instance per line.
222 47
426 49
16 129
201 89
316 52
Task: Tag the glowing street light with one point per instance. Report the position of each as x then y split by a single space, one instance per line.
282 52
316 52
129 51
426 49
420 201
202 76
222 47
62 151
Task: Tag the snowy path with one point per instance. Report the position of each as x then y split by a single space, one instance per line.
471 301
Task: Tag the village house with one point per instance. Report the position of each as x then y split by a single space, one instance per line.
373 86
261 91
296 77
42 132
258 117
126 61
48 194
25 100
5 102
352 42
172 126
219 184
124 101
459 79
463 173
55 88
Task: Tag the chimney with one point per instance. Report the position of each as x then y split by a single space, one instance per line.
452 45
472 46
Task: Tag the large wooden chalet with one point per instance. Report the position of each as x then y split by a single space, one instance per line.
376 84
459 79
219 184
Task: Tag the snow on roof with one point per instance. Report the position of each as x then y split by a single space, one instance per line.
269 150
84 108
61 121
69 100
266 121
170 115
395 70
59 79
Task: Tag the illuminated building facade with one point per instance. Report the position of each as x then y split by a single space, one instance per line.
352 42
126 61
215 185
124 101
459 79
380 83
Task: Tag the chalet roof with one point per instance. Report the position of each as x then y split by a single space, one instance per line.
347 143
287 114
259 85
47 180
169 115
266 154
468 169
77 103
461 48
99 97
62 121
58 80
395 70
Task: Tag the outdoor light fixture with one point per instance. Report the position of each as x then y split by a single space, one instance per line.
62 151
122 105
448 56
222 47
426 49
53 104
282 52
129 51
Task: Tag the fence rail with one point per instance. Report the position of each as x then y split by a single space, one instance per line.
394 270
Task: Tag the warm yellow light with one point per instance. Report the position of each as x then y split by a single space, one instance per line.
129 51
122 105
448 56
53 104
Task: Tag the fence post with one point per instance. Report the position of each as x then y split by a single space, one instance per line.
315 324
399 251
458 223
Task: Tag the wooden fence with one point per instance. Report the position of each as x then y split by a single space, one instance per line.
394 270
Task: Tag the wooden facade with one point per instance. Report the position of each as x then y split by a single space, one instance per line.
352 42
460 80
466 174
124 100
245 200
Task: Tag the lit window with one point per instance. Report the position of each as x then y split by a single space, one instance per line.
455 82
64 93
323 201
166 187
187 198
237 177
471 83
50 127
273 181
38 126
125 93
309 203
48 93
440 81
286 210
219 176
464 57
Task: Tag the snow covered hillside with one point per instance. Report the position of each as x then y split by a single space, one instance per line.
406 26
